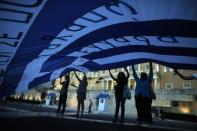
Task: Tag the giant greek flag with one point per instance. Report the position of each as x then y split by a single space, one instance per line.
41 40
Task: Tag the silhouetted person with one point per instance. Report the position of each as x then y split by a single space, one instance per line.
143 95
191 77
161 112
81 93
90 106
121 81
63 93
156 114
21 97
43 97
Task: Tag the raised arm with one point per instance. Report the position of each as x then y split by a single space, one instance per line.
128 75
184 77
112 75
77 76
150 77
61 81
134 73
84 74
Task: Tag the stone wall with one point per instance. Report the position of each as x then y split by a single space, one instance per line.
165 99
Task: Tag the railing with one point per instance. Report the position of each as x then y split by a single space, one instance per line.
161 94
157 91
176 91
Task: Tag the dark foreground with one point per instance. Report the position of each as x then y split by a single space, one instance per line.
51 124
25 117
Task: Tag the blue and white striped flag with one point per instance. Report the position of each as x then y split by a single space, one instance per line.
41 40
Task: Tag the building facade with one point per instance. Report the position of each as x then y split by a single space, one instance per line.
163 78
173 93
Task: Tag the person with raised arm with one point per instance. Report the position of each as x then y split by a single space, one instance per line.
143 95
63 93
81 93
121 81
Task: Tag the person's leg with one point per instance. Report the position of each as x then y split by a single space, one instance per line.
149 113
60 104
41 102
82 106
117 108
89 109
143 108
64 104
123 100
137 104
78 106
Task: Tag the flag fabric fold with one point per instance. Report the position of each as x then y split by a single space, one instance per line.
41 40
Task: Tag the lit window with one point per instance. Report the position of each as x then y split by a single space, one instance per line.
171 70
167 69
164 69
187 85
136 67
129 68
169 86
92 74
157 67
147 67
